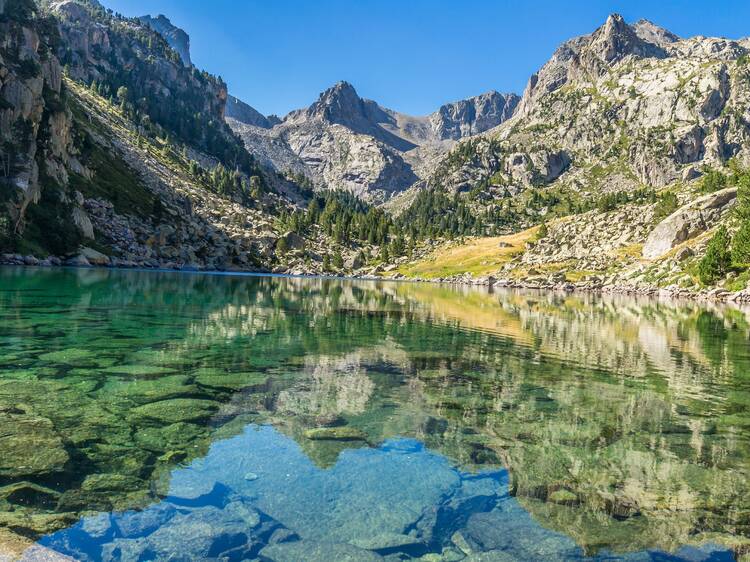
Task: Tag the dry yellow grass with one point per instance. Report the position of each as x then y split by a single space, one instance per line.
479 256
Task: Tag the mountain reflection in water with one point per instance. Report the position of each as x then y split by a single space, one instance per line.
235 417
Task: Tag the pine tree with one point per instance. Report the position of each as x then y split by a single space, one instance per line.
338 260
715 264
384 255
741 246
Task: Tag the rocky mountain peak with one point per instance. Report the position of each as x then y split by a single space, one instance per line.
592 55
175 37
338 104
655 34
616 39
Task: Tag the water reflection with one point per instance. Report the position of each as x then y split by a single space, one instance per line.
622 423
391 502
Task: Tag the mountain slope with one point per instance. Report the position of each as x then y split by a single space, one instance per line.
106 165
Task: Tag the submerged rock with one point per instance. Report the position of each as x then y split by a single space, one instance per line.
29 447
176 410
312 551
335 434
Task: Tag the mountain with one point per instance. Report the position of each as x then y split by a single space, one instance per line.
641 104
343 141
177 38
617 131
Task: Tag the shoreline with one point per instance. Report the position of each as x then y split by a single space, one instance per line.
716 294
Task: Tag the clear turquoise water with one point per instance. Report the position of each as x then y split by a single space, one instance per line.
167 416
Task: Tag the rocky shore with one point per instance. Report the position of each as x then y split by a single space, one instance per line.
91 258
714 294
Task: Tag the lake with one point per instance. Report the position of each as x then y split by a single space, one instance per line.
172 416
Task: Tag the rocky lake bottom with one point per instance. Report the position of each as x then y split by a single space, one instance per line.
177 416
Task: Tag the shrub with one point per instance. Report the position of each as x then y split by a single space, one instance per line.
717 261
713 180
666 205
282 247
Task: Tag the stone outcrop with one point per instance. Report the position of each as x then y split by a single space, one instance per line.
689 221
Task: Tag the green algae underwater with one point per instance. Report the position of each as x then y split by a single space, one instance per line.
173 416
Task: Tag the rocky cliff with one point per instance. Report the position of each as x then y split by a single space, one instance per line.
176 38
36 150
472 116
241 112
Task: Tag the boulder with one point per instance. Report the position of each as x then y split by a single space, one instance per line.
354 262
94 257
176 410
294 241
77 261
30 446
688 222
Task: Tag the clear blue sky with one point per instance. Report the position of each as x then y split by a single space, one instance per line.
409 55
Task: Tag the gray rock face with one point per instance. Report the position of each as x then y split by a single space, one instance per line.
594 54
688 222
473 116
175 37
240 111
654 34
